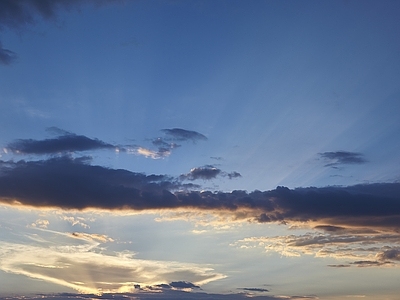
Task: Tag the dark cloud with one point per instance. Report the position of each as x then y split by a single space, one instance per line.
339 266
233 175
18 14
392 254
183 285
342 158
368 263
166 294
179 134
6 56
65 143
208 172
254 290
74 183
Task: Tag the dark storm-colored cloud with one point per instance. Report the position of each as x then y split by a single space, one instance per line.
74 183
342 158
179 134
65 143
6 56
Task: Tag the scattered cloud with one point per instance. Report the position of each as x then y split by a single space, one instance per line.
76 221
41 223
178 134
205 173
208 172
342 158
62 144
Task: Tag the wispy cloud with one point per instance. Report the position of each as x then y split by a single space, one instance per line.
342 158
84 268
354 247
179 134
6 56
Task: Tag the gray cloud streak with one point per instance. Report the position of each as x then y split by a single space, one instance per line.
342 158
179 134
65 143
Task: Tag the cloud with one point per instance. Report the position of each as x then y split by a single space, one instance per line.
41 223
392 254
183 285
178 134
205 173
6 56
254 290
85 268
18 14
102 238
66 143
208 172
342 158
165 293
72 183
369 263
357 248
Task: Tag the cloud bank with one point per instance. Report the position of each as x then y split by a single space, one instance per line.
72 183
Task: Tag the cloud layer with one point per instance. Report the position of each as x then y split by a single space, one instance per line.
72 183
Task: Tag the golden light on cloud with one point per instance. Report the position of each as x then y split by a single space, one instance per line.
84 268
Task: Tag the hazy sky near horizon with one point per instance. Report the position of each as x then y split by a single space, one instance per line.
199 149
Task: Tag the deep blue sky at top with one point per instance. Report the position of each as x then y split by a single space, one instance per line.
270 83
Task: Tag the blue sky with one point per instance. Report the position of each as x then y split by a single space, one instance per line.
199 149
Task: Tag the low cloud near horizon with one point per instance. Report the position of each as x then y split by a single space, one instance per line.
73 183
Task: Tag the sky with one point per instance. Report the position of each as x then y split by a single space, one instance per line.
199 149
